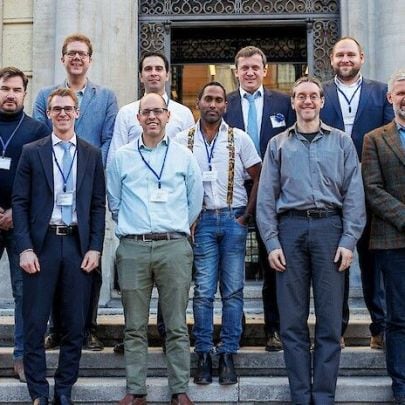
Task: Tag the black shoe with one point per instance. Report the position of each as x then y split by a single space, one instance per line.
52 341
273 343
400 401
226 372
93 343
203 375
62 400
40 401
119 348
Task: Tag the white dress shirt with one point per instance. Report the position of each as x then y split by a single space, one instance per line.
259 107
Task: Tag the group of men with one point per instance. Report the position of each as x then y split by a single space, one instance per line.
182 195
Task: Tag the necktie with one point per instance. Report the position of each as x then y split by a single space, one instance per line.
67 210
252 129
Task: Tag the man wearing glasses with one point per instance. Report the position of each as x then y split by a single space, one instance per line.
98 108
59 232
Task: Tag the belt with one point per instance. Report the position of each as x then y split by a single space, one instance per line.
63 230
149 237
312 213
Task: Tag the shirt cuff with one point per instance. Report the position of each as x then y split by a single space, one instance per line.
272 244
347 242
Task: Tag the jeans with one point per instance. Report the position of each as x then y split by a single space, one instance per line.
219 256
392 264
16 275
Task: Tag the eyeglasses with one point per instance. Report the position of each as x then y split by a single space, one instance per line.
156 111
58 110
81 54
303 97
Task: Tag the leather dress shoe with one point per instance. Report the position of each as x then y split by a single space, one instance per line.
226 372
129 399
52 341
273 343
181 399
203 375
400 401
377 342
119 348
93 343
62 400
19 370
40 401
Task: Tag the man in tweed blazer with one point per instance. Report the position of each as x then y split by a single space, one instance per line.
383 167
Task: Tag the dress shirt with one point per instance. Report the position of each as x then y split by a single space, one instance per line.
56 218
127 127
215 192
349 91
130 185
259 107
401 131
323 174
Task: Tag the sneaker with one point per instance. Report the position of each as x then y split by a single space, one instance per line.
52 341
273 343
93 343
377 342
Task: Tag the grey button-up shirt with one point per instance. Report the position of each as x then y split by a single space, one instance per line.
300 175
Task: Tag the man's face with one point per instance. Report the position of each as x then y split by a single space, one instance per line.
154 75
250 72
212 104
153 116
63 120
347 60
76 59
12 95
397 98
307 101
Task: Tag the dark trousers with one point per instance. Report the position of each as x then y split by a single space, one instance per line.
60 275
309 246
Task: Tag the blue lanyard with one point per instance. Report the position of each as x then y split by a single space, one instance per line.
4 145
158 176
210 153
351 98
65 179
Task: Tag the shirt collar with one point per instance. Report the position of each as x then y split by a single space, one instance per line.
78 91
323 129
164 141
259 91
400 127
56 140
340 84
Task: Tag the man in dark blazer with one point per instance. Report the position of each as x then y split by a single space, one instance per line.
273 115
357 105
383 167
59 219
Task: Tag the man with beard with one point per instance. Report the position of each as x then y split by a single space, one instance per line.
16 129
224 154
358 105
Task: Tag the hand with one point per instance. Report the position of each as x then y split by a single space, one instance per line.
90 261
29 262
242 220
345 256
192 231
6 219
277 260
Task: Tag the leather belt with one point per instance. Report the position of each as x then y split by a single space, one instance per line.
63 230
312 213
149 237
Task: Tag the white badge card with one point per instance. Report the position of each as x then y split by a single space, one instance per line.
159 195
276 122
210 176
65 199
5 163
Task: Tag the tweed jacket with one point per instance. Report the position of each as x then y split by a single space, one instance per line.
383 168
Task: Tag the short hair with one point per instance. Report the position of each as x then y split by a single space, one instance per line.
145 95
351 39
150 54
398 76
63 92
79 38
11 71
248 51
213 83
307 79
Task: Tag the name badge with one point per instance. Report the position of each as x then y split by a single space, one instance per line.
65 199
210 176
276 122
5 163
159 196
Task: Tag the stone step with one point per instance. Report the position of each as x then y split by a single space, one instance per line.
248 391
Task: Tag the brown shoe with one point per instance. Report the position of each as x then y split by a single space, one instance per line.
342 342
129 399
377 342
273 343
19 370
52 341
93 343
181 399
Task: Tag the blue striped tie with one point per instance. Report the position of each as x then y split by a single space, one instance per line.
252 129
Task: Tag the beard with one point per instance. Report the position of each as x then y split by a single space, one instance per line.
348 74
399 112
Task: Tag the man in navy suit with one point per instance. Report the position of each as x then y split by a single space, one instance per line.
59 219
98 109
357 105
273 115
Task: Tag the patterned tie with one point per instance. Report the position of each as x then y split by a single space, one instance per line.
252 129
67 210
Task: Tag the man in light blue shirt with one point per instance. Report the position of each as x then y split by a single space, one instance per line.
155 194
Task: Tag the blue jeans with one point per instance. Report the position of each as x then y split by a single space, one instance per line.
219 256
7 242
392 264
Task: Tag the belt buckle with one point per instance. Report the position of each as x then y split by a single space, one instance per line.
310 212
61 230
144 239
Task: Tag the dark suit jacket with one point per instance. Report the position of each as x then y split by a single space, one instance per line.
383 169
374 110
274 102
33 196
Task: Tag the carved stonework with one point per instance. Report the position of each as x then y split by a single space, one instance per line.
151 37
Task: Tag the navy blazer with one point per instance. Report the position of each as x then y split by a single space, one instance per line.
373 112
274 102
33 196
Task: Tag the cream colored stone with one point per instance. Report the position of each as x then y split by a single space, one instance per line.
17 9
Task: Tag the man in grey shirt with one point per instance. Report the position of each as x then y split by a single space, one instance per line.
310 213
